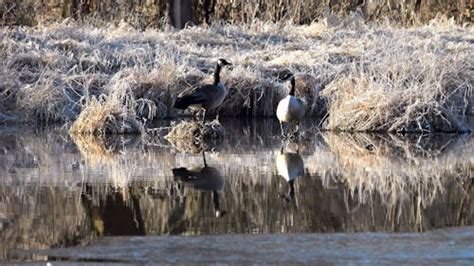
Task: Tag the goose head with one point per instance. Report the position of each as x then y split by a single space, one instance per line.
222 62
288 76
220 213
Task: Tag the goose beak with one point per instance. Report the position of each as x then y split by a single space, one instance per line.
223 62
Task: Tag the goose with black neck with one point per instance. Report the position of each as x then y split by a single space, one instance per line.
206 97
290 110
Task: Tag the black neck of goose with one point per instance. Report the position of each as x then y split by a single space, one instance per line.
217 73
292 91
291 194
215 199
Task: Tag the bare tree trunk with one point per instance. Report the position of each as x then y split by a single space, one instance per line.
181 12
151 13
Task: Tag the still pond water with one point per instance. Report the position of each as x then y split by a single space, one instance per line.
59 191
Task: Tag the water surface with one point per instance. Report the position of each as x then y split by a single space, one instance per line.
58 190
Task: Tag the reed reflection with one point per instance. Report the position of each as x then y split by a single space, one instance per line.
402 183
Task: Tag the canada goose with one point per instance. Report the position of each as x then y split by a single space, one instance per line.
290 109
206 97
289 166
203 178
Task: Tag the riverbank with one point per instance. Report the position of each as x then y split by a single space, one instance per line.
359 76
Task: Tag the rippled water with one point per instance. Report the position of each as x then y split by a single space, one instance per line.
59 191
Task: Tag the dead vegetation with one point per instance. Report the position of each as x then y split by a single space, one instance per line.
392 89
362 77
195 137
115 113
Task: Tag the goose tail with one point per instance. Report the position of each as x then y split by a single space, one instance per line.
182 103
180 172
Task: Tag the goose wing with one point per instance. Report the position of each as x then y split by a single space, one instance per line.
199 95
206 178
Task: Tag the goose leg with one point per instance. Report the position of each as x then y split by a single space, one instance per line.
195 114
215 199
283 134
297 129
291 193
204 158
295 134
203 116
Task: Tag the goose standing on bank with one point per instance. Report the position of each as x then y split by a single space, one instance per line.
290 166
206 97
203 178
290 110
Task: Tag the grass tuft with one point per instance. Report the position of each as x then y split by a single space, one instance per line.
117 113
195 137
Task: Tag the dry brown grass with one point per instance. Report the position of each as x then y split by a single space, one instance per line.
364 77
195 137
109 115
392 88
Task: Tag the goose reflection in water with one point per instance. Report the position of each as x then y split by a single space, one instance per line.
289 165
205 178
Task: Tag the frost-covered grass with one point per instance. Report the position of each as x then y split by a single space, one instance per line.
361 77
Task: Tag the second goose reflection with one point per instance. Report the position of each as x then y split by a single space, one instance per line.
289 165
204 178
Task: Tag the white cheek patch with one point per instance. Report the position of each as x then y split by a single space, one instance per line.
196 106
